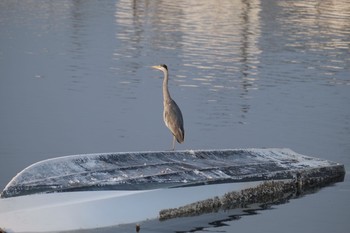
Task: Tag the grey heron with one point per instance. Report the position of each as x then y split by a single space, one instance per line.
172 114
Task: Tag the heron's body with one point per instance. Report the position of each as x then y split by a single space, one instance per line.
172 113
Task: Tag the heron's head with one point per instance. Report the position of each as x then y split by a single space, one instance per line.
161 67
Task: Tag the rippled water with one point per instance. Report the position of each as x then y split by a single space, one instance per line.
76 78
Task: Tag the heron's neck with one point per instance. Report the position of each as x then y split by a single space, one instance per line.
166 93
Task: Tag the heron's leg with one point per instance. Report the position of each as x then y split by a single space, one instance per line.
174 142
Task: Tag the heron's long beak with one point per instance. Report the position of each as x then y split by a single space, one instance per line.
156 67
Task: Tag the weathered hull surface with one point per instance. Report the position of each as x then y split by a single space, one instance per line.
154 170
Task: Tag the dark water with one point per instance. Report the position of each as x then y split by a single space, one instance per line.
76 78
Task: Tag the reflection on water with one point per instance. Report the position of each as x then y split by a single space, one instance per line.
317 34
215 45
321 29
207 223
219 47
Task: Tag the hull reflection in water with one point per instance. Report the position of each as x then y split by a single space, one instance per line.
213 216
161 210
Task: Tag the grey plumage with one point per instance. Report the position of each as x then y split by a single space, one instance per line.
172 114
